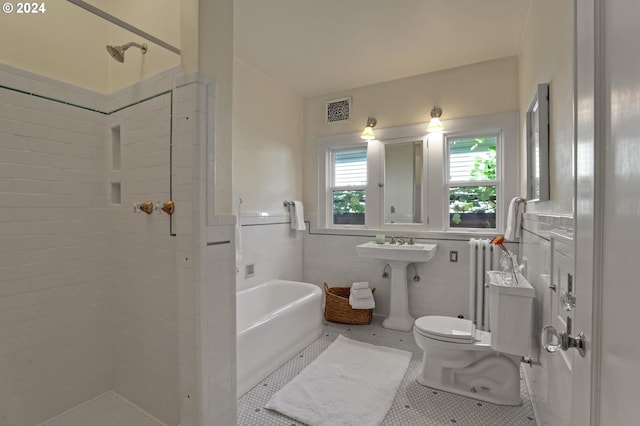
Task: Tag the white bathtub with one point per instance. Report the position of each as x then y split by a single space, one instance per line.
275 321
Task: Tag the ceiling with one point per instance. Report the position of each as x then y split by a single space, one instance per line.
323 46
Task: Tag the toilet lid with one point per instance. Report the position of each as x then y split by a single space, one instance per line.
446 328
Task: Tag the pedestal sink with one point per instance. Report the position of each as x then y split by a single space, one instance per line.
398 256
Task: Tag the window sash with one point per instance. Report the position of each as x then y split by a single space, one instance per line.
456 176
349 167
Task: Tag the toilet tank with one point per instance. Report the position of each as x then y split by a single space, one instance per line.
510 314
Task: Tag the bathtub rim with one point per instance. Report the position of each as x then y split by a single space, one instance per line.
315 290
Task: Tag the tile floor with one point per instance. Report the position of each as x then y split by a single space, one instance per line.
108 409
414 404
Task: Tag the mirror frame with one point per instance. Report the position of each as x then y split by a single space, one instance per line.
538 186
384 144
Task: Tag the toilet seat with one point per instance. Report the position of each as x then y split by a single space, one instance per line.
447 329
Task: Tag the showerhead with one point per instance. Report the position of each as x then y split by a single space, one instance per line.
117 52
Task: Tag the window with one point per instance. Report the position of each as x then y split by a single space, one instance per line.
472 184
467 176
348 186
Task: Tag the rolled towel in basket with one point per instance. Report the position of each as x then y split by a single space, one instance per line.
361 293
359 285
366 303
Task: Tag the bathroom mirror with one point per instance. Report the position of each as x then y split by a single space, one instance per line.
403 163
538 145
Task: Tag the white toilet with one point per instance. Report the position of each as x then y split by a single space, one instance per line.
484 365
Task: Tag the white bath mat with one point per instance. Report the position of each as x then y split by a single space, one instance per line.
351 383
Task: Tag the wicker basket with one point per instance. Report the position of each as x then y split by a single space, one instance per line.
338 309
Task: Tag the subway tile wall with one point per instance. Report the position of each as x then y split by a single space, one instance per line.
272 247
443 288
536 249
205 252
54 250
142 257
87 288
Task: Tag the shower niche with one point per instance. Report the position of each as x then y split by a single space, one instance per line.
116 161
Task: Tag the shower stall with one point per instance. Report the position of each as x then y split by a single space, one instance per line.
104 304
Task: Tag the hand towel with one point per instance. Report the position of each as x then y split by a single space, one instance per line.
368 303
361 293
359 285
512 233
296 211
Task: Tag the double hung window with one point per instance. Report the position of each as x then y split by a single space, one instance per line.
348 185
458 181
472 181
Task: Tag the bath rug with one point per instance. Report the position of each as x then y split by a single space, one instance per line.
351 383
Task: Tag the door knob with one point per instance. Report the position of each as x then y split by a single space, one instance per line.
552 341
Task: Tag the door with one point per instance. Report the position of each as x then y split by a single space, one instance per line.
576 261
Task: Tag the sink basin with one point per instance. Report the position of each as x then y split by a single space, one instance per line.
413 253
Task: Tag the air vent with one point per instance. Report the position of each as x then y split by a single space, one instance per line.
338 111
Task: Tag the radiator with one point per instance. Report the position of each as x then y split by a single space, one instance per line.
483 257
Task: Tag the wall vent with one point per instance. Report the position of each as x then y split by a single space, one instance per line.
338 111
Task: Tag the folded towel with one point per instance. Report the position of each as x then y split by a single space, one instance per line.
361 293
514 216
368 303
359 285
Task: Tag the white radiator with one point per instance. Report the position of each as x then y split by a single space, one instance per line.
483 257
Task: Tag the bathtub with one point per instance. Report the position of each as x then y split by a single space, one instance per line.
275 321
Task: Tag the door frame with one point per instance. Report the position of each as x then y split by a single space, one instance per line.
590 117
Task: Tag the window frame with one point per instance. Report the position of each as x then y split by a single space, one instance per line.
331 188
448 184
435 192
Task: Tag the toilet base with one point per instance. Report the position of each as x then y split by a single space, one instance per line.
494 378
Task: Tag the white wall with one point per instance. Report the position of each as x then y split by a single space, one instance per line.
484 88
547 57
267 169
267 141
160 18
54 257
68 43
473 90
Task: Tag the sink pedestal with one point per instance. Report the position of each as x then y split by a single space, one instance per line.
399 256
399 318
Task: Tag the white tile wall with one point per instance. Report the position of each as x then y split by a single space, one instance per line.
443 288
206 285
535 247
143 260
272 247
54 257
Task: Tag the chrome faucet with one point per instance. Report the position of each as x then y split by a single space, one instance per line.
402 240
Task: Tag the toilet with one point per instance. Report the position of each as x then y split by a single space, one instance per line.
484 365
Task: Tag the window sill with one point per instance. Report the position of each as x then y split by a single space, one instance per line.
453 235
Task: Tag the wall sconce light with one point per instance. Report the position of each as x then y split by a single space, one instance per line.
435 125
367 134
